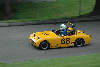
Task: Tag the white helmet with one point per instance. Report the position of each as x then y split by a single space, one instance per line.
62 27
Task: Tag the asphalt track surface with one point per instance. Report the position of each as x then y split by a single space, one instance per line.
15 46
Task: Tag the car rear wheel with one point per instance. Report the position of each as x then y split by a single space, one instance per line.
44 45
79 42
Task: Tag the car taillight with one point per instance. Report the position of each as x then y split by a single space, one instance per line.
90 36
83 31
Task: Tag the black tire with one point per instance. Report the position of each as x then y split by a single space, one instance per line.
79 42
44 45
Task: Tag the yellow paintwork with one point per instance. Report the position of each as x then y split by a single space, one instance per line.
70 29
55 40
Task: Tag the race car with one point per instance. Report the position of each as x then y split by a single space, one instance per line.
53 39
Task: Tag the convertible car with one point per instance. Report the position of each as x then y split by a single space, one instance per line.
53 39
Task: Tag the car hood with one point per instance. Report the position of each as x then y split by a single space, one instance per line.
44 34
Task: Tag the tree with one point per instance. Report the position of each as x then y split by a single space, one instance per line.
96 9
8 9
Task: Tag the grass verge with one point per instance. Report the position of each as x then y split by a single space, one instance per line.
92 60
58 9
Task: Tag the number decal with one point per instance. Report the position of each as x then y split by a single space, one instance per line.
63 41
67 41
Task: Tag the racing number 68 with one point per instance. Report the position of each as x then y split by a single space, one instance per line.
67 41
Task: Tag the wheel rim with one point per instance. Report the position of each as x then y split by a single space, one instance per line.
79 42
44 45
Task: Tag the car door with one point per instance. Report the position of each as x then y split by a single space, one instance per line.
65 41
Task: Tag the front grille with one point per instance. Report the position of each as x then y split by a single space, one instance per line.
32 41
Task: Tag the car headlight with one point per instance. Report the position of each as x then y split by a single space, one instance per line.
34 34
38 37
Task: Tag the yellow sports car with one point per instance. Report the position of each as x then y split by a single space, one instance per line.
53 39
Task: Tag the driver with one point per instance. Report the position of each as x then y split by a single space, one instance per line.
63 29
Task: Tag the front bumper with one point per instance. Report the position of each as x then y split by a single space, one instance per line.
32 41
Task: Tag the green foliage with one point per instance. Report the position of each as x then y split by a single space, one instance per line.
92 60
2 11
51 10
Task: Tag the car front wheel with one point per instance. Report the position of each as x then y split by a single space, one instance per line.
44 45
